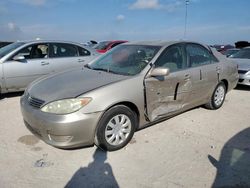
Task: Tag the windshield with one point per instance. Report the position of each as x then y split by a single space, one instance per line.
243 54
125 59
7 49
102 45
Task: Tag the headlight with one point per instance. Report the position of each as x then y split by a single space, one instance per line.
248 73
66 106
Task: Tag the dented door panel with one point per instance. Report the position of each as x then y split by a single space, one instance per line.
167 96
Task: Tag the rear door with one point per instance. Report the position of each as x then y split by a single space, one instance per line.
66 56
168 95
18 74
202 63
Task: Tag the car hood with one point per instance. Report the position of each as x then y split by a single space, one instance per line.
71 84
243 64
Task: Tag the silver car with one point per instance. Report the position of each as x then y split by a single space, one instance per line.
242 59
23 62
133 85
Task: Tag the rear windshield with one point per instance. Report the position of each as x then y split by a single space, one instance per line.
243 54
102 45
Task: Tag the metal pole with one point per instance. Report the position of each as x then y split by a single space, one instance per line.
185 30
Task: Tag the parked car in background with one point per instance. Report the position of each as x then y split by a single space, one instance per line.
125 89
231 51
242 59
104 46
223 48
90 43
23 62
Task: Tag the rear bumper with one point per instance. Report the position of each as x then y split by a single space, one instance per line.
63 131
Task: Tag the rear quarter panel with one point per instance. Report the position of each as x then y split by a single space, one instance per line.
229 70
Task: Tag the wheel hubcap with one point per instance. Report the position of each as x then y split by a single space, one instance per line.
219 95
118 129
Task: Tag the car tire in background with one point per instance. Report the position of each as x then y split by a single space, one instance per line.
116 128
218 97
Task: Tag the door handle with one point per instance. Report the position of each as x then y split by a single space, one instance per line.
80 60
187 77
44 63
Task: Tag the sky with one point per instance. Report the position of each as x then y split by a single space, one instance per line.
208 21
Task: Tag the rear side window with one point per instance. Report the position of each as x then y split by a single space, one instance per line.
63 50
198 55
83 52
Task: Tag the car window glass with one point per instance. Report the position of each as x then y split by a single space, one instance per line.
63 50
9 48
172 58
114 45
102 45
126 59
36 51
242 54
83 52
198 55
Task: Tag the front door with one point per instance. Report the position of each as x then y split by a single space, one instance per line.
166 96
19 74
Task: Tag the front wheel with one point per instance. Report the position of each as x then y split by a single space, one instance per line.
218 97
116 128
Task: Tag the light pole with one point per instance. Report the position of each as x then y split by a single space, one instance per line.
185 29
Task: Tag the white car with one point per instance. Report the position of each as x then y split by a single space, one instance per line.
23 62
242 58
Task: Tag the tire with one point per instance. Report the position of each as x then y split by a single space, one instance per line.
116 128
217 98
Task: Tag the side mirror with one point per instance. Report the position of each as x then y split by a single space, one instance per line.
19 58
156 72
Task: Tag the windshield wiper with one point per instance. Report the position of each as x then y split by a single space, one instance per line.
105 70
110 71
87 66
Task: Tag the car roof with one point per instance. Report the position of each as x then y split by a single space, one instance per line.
48 41
162 43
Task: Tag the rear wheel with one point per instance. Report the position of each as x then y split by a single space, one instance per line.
218 97
116 128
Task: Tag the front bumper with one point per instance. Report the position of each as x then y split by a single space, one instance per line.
62 131
244 79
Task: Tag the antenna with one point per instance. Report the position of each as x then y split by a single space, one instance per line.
186 15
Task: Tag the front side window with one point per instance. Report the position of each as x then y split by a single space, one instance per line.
63 50
36 51
198 55
172 58
125 59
